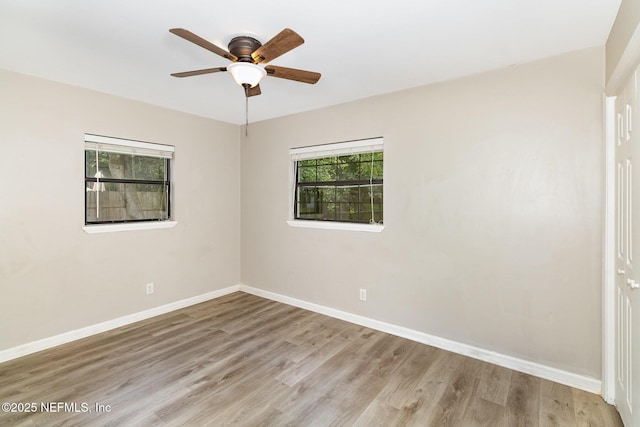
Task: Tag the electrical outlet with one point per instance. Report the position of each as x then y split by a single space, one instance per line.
363 294
149 288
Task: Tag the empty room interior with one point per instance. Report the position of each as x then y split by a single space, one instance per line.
420 213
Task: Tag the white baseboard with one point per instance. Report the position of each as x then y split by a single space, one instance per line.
589 384
43 344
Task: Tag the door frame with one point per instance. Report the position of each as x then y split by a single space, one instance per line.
609 260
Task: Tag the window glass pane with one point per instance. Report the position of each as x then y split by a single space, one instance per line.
147 168
377 193
303 214
326 173
365 170
347 211
327 161
127 202
366 217
348 198
91 168
104 167
127 166
377 170
90 163
307 174
365 193
348 172
347 194
327 194
328 211
307 201
351 158
378 213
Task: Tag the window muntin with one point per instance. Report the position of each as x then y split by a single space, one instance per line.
126 181
340 182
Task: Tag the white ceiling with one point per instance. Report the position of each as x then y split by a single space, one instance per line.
361 47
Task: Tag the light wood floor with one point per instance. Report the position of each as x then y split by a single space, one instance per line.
248 361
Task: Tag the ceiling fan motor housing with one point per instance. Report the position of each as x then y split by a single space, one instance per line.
242 47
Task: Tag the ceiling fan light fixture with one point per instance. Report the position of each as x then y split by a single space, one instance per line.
246 73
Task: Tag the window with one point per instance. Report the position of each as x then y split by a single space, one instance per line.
340 182
126 181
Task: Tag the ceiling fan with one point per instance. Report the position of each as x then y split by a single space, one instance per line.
246 53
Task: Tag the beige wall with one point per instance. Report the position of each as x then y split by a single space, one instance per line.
54 277
492 212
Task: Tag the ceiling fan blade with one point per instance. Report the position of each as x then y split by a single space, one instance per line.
303 76
253 91
198 72
281 43
189 36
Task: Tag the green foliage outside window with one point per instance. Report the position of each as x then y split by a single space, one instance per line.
341 188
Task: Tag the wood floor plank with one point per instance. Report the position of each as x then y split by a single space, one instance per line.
454 402
494 383
378 414
556 405
406 377
243 360
321 386
591 410
421 408
523 400
298 371
483 413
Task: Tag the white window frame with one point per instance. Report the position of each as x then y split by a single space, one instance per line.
329 150
127 146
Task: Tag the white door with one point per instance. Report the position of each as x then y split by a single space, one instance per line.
627 243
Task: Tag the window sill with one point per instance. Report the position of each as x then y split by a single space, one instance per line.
112 228
330 225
